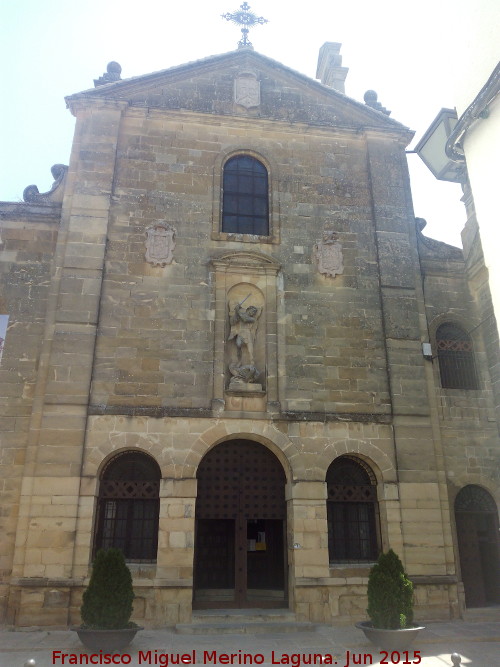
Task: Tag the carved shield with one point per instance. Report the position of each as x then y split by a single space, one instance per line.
247 91
328 255
160 244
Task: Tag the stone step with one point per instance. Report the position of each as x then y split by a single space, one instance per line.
254 615
241 621
483 614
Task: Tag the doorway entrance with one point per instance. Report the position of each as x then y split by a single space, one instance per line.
478 544
240 528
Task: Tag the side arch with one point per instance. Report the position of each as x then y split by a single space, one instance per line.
352 511
478 541
461 481
456 347
118 453
379 461
128 506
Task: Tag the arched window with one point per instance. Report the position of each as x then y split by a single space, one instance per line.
351 511
245 200
456 358
129 506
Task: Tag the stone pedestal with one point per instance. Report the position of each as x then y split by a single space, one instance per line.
245 387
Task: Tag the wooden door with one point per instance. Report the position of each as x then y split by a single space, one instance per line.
240 520
479 546
470 560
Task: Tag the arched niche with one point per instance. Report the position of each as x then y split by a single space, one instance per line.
242 280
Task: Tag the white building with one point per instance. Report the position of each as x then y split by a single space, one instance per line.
477 84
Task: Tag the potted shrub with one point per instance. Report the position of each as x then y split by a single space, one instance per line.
390 605
107 604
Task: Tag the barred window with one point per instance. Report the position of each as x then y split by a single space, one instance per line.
245 201
351 511
128 507
456 358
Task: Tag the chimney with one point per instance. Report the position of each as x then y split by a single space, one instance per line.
330 71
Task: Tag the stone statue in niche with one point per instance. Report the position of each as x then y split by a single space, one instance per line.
243 374
243 330
160 243
328 254
244 322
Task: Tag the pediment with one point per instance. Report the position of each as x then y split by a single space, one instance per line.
276 92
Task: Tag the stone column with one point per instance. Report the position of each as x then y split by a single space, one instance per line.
174 568
308 549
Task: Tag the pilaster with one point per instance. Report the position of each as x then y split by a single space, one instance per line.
51 484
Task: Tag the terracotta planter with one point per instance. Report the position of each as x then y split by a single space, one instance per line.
106 640
390 640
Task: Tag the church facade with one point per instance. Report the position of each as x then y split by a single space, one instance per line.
231 352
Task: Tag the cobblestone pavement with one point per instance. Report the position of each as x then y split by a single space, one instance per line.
478 644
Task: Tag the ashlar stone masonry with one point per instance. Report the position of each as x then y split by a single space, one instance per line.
220 369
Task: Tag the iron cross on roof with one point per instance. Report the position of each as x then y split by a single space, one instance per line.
244 17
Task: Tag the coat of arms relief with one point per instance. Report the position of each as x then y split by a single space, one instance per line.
327 254
247 90
160 243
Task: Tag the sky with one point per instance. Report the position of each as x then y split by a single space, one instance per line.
402 49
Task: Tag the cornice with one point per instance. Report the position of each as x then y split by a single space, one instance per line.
476 111
82 102
30 212
360 133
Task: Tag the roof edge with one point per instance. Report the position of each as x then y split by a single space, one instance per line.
102 91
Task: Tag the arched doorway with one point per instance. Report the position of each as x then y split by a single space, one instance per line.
478 544
240 528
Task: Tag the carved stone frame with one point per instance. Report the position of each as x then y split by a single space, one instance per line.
261 271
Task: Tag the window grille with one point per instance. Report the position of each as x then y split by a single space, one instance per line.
474 498
128 507
245 201
456 358
351 511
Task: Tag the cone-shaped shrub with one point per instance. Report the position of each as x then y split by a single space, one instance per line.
390 593
107 602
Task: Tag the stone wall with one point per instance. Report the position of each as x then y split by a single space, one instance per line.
123 353
157 323
27 240
467 418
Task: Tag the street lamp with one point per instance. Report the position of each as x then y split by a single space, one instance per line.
432 148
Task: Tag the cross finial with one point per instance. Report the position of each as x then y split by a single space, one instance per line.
244 17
